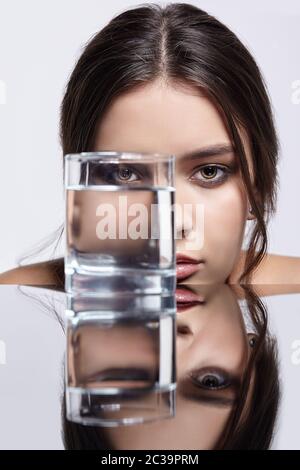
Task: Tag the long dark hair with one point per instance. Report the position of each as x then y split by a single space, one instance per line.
179 44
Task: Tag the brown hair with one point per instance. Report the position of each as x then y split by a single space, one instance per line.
180 44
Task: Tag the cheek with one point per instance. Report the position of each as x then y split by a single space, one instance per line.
224 219
218 340
227 345
223 227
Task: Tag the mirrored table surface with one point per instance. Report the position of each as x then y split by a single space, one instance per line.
223 371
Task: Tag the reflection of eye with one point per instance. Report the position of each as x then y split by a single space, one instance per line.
209 175
210 379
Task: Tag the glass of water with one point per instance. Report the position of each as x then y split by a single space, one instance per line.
120 222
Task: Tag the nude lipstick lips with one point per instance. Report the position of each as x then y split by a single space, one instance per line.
186 266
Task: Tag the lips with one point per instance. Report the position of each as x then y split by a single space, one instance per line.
186 298
186 266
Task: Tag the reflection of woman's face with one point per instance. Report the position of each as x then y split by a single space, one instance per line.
101 355
165 120
212 352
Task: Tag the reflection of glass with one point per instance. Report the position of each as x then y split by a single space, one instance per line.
120 222
120 368
119 306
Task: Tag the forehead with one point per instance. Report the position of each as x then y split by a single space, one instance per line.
162 115
159 117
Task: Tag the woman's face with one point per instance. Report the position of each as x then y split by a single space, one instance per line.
163 119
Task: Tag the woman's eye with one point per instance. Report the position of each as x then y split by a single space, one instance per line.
210 380
210 174
113 174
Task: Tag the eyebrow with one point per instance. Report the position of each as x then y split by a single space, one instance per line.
215 150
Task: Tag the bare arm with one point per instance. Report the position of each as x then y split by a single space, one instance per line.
32 274
278 269
275 275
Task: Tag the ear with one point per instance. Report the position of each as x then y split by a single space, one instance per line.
252 338
250 215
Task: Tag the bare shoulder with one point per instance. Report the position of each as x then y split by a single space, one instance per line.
31 274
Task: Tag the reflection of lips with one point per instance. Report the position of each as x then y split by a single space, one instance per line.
186 298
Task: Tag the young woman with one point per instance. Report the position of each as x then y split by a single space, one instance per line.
175 80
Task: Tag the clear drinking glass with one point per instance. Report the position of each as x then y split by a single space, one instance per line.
120 222
121 368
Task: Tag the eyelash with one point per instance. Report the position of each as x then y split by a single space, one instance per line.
112 170
212 181
132 172
212 373
110 173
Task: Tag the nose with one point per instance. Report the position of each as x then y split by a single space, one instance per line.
183 329
189 220
183 222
